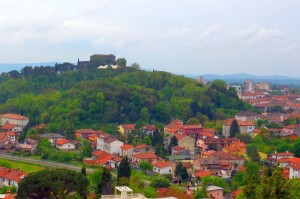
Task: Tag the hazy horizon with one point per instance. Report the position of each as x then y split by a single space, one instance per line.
194 37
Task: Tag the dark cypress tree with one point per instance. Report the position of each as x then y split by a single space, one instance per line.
234 129
124 170
83 171
181 172
173 142
105 187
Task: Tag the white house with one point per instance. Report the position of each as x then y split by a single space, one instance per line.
101 141
278 156
294 170
64 144
9 118
112 146
127 150
52 137
11 127
11 177
162 168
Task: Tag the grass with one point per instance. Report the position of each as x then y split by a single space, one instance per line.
141 175
26 167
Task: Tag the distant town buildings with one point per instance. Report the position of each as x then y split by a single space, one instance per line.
248 85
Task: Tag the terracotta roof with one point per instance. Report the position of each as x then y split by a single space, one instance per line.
240 123
179 136
15 175
14 116
126 147
187 165
295 166
172 192
208 153
149 127
282 154
162 164
141 146
8 126
178 148
128 127
62 141
202 174
110 140
144 155
3 138
105 135
11 133
100 154
85 131
245 113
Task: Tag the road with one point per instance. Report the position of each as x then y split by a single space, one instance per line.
50 164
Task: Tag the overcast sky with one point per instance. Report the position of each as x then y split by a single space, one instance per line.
191 37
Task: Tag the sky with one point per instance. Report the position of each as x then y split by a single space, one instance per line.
186 37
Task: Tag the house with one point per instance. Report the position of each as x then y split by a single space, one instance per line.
101 141
162 168
174 127
214 192
172 193
12 136
11 127
201 174
206 164
64 144
4 139
278 156
144 156
84 133
294 170
149 129
99 157
179 153
10 118
112 146
286 162
184 141
222 156
127 150
52 137
244 126
9 177
238 148
215 143
28 145
124 129
246 116
114 162
141 148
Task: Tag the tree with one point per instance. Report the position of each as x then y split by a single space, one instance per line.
234 128
105 186
145 115
173 142
244 137
145 166
193 121
56 183
136 66
252 181
121 61
86 148
124 170
297 149
181 172
252 153
83 171
160 182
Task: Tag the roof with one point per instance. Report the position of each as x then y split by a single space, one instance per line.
11 133
245 113
110 140
207 161
225 156
187 165
8 126
213 188
128 127
168 192
14 116
149 127
144 155
162 164
126 147
202 174
179 136
31 141
85 131
62 142
15 175
100 153
141 146
240 123
52 135
282 154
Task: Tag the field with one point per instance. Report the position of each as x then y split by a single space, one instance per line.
26 167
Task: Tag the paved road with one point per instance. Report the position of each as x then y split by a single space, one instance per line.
45 163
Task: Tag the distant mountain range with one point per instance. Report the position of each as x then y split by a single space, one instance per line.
241 77
10 67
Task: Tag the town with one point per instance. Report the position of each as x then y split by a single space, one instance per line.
184 154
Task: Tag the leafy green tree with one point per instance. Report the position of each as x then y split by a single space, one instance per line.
124 170
252 152
234 128
244 137
56 183
145 115
297 149
147 140
121 61
181 172
252 181
145 166
160 182
136 66
193 121
86 149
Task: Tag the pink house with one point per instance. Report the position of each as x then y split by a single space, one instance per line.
214 192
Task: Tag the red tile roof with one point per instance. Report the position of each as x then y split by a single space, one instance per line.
8 126
179 136
282 154
141 146
149 127
126 147
240 123
110 140
225 156
128 127
202 174
100 154
144 155
15 175
85 131
162 164
14 116
11 133
172 192
187 165
61 142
